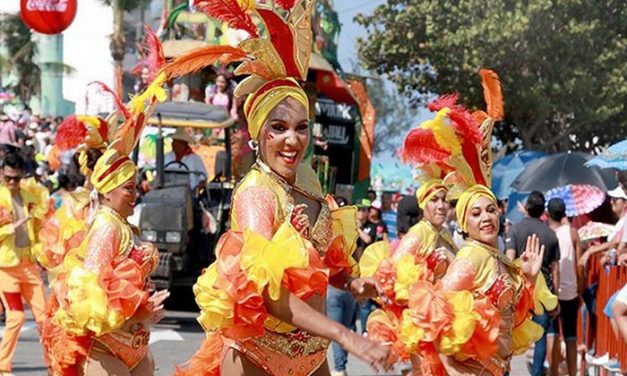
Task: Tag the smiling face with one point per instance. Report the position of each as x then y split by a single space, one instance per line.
284 138
221 83
483 221
436 210
122 199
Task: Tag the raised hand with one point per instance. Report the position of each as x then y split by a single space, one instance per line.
531 259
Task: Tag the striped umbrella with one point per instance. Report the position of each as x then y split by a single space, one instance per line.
579 199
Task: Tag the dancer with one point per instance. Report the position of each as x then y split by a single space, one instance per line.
66 229
262 302
451 326
23 203
101 324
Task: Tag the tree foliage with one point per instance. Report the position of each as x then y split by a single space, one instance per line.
394 116
21 51
562 62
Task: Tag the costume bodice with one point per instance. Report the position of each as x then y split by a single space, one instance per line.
263 200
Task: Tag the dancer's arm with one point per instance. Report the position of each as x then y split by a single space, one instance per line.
291 309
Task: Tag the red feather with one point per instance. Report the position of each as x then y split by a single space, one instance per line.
70 134
202 57
230 12
285 4
449 100
471 155
465 125
118 102
420 146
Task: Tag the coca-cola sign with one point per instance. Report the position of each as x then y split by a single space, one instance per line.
48 16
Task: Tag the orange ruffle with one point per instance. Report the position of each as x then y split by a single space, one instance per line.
336 258
206 361
385 275
304 283
429 309
525 305
249 309
124 286
483 343
383 327
65 351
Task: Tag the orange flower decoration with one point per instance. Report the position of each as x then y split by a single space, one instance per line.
429 309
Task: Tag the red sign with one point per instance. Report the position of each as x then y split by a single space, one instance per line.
48 16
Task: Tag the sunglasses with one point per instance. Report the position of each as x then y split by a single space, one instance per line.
15 179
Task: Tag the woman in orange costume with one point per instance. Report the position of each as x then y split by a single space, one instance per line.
101 324
262 302
66 228
477 316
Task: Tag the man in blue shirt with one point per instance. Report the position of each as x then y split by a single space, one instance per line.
388 215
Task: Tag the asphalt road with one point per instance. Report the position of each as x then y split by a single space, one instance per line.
173 341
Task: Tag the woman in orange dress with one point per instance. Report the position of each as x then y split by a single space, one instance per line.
101 325
263 301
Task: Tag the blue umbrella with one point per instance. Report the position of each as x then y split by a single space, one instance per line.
507 169
613 157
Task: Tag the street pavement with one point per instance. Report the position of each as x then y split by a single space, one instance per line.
173 341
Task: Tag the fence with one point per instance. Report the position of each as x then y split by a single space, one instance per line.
602 337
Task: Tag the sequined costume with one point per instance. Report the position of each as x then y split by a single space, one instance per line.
268 249
273 253
477 315
102 288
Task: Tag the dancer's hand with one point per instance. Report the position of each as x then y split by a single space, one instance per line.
156 308
366 288
531 259
375 354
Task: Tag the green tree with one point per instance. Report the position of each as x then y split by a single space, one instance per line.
21 52
119 43
562 62
394 117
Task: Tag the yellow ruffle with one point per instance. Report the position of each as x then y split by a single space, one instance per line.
372 257
407 274
463 325
344 223
88 308
216 307
265 261
525 335
411 334
543 298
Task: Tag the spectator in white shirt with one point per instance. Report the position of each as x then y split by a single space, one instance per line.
182 152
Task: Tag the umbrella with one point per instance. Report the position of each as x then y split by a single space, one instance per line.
613 157
507 169
594 230
579 199
561 169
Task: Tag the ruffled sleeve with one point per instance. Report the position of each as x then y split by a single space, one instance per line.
98 295
339 256
526 331
62 232
230 292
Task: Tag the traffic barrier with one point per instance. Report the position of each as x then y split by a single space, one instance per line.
609 281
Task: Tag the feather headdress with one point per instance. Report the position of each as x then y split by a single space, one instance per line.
455 145
152 55
282 52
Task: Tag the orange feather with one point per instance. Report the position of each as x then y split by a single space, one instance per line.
492 93
202 57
